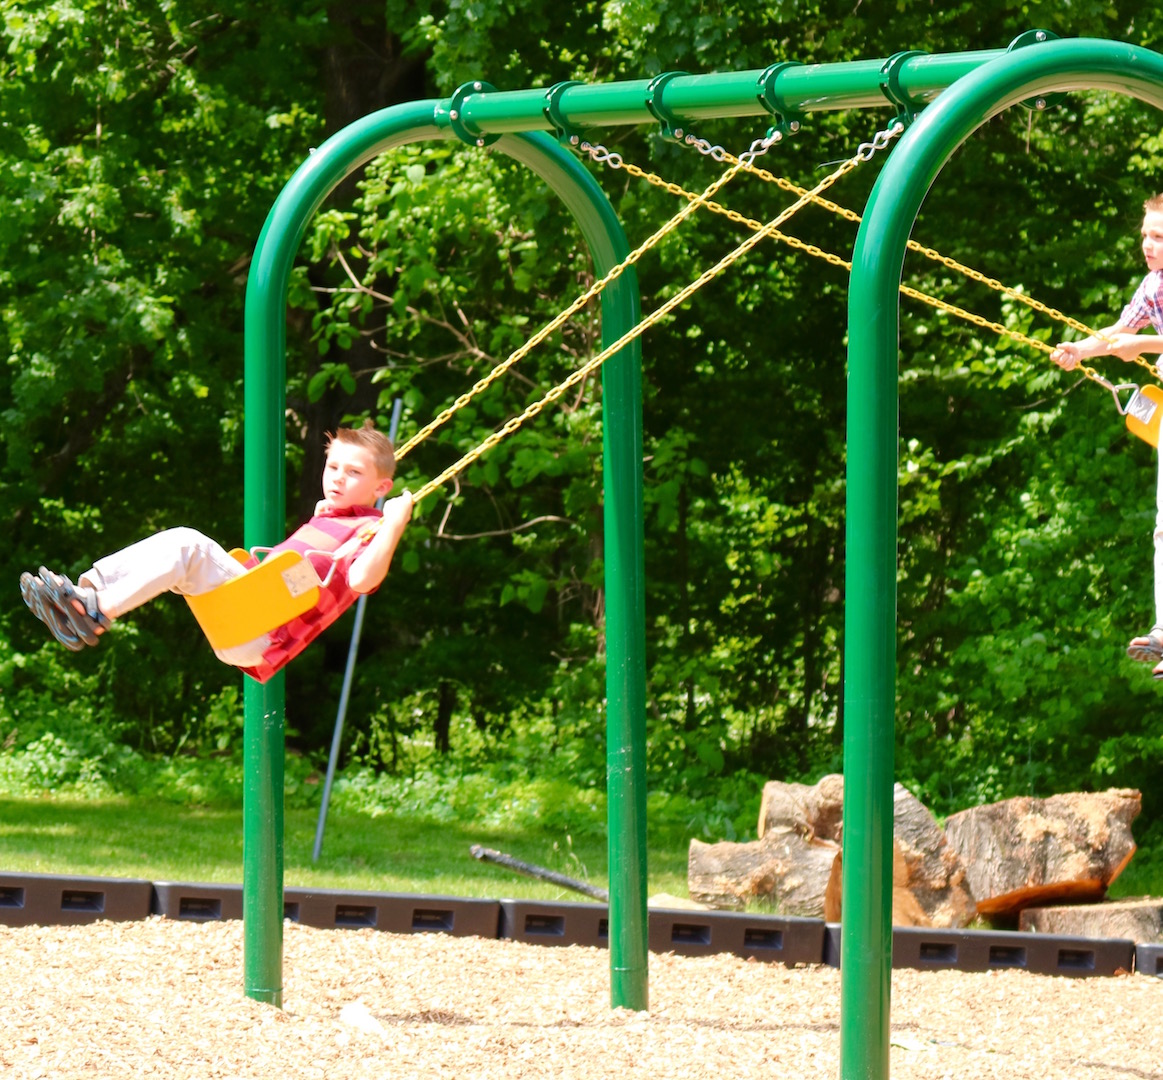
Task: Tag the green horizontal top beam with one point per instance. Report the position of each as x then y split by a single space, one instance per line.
792 89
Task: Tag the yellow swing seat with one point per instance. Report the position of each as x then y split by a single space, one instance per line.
1143 413
279 589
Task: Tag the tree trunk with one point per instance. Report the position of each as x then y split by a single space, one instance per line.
1029 852
928 877
442 729
929 880
364 70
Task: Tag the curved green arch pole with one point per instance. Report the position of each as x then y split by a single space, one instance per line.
870 612
265 491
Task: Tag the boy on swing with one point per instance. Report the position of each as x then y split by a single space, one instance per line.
346 531
1123 340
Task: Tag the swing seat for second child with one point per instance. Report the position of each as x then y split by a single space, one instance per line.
280 588
1143 413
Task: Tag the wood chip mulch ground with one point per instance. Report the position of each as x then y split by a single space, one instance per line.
162 998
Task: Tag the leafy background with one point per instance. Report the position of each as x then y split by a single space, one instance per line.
142 146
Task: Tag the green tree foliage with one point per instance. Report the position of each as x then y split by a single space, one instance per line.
141 155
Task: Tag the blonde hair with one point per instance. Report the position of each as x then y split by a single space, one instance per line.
1154 204
377 443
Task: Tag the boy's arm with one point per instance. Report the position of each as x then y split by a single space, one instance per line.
371 567
1114 340
1127 345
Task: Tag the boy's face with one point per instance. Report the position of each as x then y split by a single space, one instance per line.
350 477
1153 239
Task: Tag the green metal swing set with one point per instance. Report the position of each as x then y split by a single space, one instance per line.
939 100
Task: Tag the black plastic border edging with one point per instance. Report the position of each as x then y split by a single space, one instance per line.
546 922
396 913
683 932
194 902
56 900
785 939
330 909
989 950
1149 959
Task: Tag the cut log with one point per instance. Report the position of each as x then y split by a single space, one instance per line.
812 810
784 869
1139 920
928 878
1029 852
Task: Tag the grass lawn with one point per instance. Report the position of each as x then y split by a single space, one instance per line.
137 837
158 841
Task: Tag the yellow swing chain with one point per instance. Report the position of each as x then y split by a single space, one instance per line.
811 249
966 271
763 231
719 154
599 153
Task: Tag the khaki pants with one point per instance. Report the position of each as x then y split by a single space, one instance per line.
179 560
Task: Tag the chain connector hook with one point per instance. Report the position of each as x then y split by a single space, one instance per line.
599 154
880 140
1115 388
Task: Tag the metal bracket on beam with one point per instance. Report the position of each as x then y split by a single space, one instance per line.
456 114
566 135
890 86
787 119
1036 37
671 124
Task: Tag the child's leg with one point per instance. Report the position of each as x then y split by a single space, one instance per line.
1149 647
248 654
1159 546
178 560
1156 634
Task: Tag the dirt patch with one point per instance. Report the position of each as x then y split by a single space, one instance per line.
162 998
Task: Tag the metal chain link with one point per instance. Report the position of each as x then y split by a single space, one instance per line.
599 154
636 331
879 142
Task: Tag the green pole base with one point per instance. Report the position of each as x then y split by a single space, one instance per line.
629 989
267 997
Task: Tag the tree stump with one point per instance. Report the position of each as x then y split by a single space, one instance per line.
1029 852
1139 920
786 869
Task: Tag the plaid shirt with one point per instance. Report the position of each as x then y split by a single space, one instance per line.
1146 305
